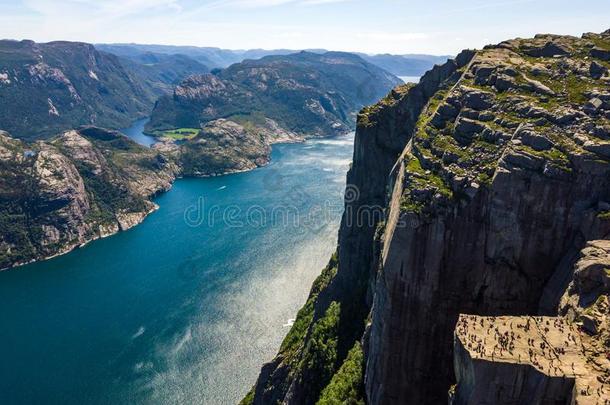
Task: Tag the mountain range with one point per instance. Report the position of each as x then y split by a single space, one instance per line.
79 183
399 65
306 93
47 88
235 114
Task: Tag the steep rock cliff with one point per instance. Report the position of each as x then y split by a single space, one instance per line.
495 187
492 174
383 130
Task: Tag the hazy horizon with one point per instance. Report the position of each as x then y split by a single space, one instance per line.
385 26
237 50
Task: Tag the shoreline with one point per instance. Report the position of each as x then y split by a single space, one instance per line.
102 235
72 247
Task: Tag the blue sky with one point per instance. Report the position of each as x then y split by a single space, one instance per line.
373 26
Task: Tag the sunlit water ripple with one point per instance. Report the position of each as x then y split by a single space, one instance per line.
171 312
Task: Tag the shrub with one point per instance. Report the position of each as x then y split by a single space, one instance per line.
321 353
347 385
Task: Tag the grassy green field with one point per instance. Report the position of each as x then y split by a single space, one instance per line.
179 134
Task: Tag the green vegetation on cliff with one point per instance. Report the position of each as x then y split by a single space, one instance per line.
16 194
320 355
304 318
346 387
318 344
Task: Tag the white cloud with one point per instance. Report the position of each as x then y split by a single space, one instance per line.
263 3
96 9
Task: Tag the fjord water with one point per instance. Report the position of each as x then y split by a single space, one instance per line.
179 309
136 132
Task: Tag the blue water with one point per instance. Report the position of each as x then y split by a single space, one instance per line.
179 309
136 132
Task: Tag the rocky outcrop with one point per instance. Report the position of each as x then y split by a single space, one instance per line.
492 176
507 360
539 360
77 187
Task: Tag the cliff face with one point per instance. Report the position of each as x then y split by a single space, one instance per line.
494 172
383 130
501 179
79 186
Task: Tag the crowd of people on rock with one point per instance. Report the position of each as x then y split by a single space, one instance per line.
543 352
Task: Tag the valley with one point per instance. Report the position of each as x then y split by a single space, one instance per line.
89 182
263 219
